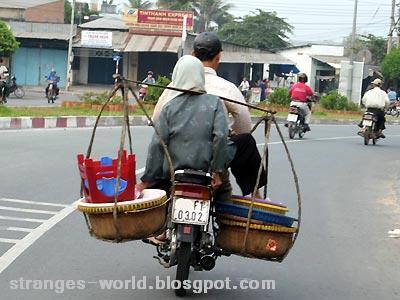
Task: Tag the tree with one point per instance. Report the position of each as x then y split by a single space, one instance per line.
81 10
175 4
263 30
208 11
8 43
375 44
391 64
139 4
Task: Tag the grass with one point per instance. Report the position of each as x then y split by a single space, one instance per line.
59 111
76 111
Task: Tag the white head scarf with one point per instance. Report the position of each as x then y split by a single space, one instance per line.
188 74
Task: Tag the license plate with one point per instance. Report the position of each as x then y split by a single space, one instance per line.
292 118
190 211
50 86
367 123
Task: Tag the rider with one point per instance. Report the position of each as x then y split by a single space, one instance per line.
55 79
377 101
149 79
299 94
3 80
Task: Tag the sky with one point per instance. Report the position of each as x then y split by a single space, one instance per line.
321 20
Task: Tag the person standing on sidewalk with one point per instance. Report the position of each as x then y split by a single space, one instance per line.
244 87
3 81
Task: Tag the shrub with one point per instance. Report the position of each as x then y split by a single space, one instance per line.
333 100
153 93
280 96
101 98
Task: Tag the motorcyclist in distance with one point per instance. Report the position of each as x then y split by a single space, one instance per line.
3 81
299 94
55 79
377 101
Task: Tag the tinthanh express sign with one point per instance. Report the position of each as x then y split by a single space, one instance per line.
160 19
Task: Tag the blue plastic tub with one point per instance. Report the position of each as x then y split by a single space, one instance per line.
260 215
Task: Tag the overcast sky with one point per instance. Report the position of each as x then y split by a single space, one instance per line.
319 20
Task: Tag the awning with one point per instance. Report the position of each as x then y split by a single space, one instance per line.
153 43
333 61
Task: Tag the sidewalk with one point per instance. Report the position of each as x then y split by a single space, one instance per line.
82 122
75 90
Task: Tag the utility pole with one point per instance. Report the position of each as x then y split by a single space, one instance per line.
351 64
398 27
69 58
392 24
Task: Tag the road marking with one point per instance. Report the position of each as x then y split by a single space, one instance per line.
140 171
36 211
22 219
33 202
7 258
320 139
22 229
9 241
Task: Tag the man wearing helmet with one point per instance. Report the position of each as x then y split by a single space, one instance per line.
149 79
299 94
377 101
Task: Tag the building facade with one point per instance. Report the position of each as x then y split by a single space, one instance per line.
43 11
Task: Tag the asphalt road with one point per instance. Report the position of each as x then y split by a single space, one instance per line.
38 99
350 200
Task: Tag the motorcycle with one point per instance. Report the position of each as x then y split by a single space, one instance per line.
369 129
189 241
13 87
143 91
52 90
394 109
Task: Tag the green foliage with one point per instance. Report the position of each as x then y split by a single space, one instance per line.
4 110
81 10
375 44
8 43
264 30
391 64
175 4
139 4
99 98
279 96
333 100
153 93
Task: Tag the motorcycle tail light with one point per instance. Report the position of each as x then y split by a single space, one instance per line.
293 110
187 229
191 190
368 117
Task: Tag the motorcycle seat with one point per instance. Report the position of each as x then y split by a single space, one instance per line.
193 176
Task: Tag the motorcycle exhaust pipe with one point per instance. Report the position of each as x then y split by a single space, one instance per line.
207 262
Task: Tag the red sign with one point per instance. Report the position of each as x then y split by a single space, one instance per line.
165 17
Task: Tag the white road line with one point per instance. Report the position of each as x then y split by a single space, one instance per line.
33 202
320 139
7 258
22 229
36 211
22 219
9 241
140 171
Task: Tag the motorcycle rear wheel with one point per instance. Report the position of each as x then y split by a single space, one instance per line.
366 136
19 92
182 270
291 131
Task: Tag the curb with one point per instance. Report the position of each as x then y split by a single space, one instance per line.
84 122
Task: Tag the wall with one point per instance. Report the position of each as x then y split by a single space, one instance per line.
326 50
48 13
30 65
358 70
12 14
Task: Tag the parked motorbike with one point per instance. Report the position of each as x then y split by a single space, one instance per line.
188 240
369 129
13 87
394 109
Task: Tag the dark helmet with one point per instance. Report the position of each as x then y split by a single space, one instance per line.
303 77
206 46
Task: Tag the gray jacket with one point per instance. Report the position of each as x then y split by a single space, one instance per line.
195 130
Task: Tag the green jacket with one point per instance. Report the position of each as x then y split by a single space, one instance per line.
195 130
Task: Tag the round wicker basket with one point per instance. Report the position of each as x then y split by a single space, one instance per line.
137 219
263 241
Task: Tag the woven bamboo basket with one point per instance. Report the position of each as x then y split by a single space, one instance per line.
264 241
137 219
